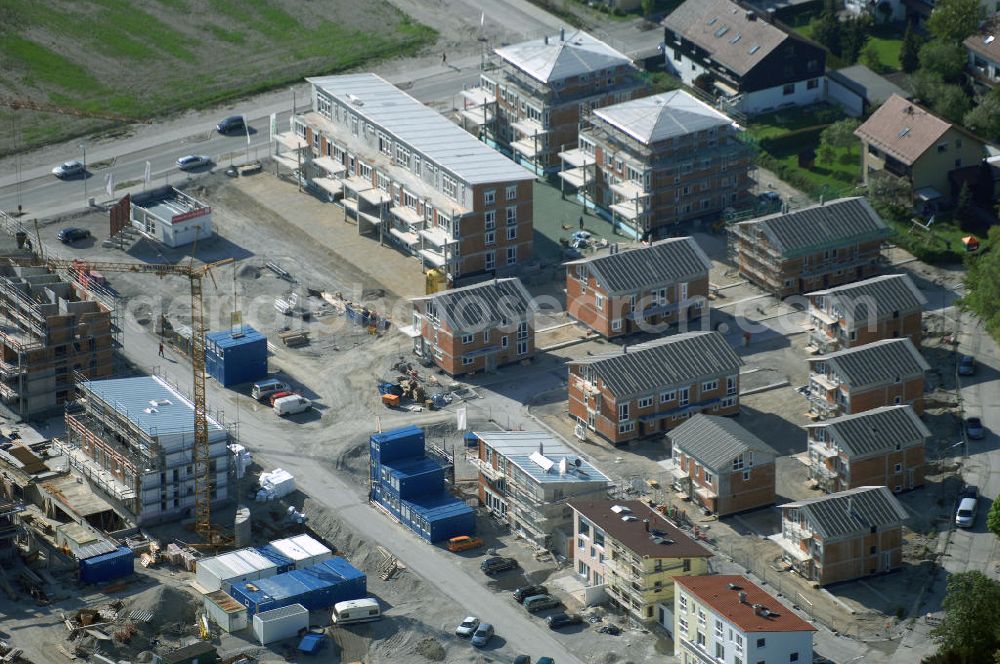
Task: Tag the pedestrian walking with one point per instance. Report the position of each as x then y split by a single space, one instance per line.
444 58
161 349
581 223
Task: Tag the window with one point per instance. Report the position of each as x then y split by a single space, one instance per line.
731 387
522 331
512 192
720 652
448 186
710 385
491 237
683 625
522 347
683 602
599 301
812 84
467 339
466 360
687 565
942 147
668 396
709 479
384 144
626 427
490 197
503 342
788 89
701 639
616 325
511 255
511 215
486 336
718 628
622 412
738 463
899 467
402 156
645 402
746 475
685 396
490 217
491 262
761 643
512 232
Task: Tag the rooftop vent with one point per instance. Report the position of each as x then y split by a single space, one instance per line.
989 39
761 610
159 402
620 509
661 540
751 16
735 586
628 518
354 99
743 597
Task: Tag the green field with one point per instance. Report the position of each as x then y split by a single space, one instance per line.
148 58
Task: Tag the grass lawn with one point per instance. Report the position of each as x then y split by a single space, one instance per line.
796 117
888 50
831 179
146 59
942 243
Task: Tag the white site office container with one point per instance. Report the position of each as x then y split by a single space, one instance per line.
278 624
317 551
300 557
221 572
226 612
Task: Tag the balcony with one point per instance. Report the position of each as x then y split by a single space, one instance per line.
823 450
488 471
630 189
797 531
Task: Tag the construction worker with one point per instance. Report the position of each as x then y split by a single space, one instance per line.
161 349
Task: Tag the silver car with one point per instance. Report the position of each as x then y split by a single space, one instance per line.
468 626
968 504
68 169
191 161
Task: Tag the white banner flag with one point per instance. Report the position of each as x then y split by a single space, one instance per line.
272 128
482 19
148 175
460 416
110 188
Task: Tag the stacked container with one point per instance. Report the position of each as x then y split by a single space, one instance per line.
236 356
225 611
280 624
317 587
220 572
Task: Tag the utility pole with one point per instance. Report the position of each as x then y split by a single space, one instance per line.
83 146
294 104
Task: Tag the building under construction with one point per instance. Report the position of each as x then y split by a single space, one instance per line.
134 441
50 329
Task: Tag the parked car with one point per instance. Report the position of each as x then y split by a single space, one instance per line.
291 405
559 620
278 395
497 564
968 504
232 124
524 592
522 659
263 389
464 543
192 161
540 603
71 235
966 365
482 635
467 627
545 660
69 169
974 428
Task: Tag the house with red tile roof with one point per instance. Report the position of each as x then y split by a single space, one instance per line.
729 618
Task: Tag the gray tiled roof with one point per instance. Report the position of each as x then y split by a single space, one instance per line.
714 26
659 117
555 59
663 262
481 306
715 441
876 363
886 294
845 220
674 360
875 431
852 512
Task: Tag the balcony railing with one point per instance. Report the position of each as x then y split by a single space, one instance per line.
488 470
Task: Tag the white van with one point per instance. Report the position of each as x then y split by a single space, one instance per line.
356 610
291 405
266 388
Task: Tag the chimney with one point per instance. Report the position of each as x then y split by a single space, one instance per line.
743 597
645 522
751 16
562 34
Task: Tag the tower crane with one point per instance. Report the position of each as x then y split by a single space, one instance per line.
194 274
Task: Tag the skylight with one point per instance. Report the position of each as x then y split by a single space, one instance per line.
735 39
904 131
754 48
721 31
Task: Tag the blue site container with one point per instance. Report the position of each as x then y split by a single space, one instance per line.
471 439
235 357
410 478
284 563
403 443
317 587
433 517
108 566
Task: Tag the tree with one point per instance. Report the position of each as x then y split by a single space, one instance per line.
884 9
870 58
853 35
984 118
909 56
647 7
971 624
982 283
954 20
993 518
840 134
951 102
945 60
892 196
828 31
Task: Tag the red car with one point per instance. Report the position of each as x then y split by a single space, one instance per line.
277 395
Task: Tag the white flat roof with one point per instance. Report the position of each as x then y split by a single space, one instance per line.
423 129
662 116
554 59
